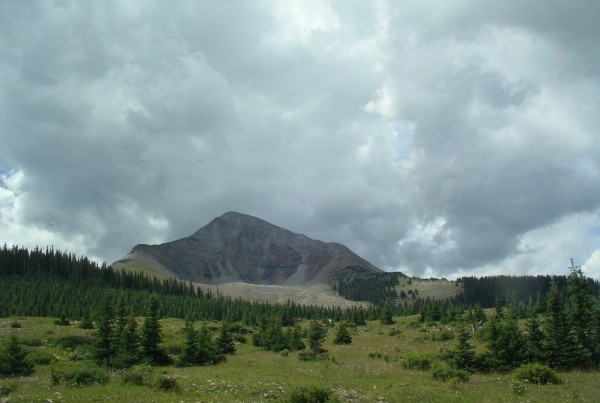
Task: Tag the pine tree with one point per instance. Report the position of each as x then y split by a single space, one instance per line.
13 361
386 317
103 346
225 343
270 336
62 320
342 335
293 336
128 349
190 353
581 315
316 336
152 334
510 345
560 342
505 341
207 350
534 344
463 357
86 321
434 311
479 314
120 320
596 337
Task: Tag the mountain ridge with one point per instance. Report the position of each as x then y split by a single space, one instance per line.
238 247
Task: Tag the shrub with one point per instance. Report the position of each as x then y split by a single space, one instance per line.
40 357
309 394
173 349
446 373
138 375
536 373
31 342
62 321
518 387
310 356
73 342
441 336
395 332
7 388
417 361
240 338
82 374
15 325
167 384
285 352
86 322
375 355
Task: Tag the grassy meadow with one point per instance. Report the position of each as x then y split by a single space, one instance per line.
368 370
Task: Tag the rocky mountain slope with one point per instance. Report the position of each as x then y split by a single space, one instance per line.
240 248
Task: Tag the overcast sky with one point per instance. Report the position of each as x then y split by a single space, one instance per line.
440 139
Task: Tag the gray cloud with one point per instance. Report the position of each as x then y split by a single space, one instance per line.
435 139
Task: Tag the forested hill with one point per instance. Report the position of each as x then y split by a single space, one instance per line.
52 283
492 290
48 282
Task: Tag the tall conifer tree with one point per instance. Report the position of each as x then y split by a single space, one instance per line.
104 344
151 333
13 361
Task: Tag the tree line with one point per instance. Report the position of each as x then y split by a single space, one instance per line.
565 335
52 283
357 284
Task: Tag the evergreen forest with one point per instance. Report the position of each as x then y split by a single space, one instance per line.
532 325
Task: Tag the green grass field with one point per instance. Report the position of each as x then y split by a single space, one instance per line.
368 370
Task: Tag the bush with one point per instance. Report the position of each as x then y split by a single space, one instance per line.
417 361
240 338
441 336
446 373
167 384
536 373
31 342
173 349
40 357
138 375
518 387
309 394
7 388
73 342
82 374
395 332
15 325
310 356
62 321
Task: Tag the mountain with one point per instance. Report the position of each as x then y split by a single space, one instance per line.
240 248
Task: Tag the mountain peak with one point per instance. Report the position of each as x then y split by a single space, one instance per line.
240 247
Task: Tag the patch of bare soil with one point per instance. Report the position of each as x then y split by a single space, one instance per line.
316 294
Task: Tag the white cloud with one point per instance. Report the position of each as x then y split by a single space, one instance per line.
591 267
437 139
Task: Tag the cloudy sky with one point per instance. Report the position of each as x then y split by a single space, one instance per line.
436 138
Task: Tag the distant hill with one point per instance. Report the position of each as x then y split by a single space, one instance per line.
240 248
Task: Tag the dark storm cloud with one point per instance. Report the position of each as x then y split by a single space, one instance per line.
435 139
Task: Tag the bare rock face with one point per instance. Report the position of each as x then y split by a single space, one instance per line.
240 248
